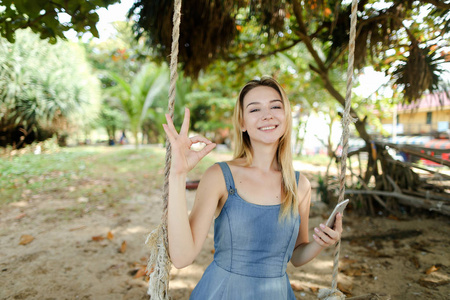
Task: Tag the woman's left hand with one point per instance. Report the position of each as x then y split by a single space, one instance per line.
325 236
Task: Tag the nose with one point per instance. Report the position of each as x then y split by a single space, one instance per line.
267 115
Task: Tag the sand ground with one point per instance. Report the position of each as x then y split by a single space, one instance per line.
71 255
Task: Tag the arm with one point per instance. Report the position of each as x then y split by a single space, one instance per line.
305 250
186 235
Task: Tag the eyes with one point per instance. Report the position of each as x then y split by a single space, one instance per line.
273 107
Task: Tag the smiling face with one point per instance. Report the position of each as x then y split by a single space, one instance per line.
264 116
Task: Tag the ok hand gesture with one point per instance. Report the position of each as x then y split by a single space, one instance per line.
184 158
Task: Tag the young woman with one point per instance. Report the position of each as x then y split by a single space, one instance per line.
259 204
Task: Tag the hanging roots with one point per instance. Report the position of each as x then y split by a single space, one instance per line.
158 265
330 294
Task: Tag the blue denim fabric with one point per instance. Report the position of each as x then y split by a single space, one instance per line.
252 251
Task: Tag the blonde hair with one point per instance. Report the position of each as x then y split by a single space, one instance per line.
243 146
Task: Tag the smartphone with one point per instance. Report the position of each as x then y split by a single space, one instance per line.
339 208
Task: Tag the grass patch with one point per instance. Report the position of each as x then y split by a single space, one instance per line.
30 173
101 174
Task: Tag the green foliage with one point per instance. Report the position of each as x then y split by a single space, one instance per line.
111 119
44 17
137 96
121 55
322 189
45 86
211 114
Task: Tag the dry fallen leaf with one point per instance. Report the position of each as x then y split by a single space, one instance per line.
20 216
314 289
355 270
296 286
123 247
141 272
348 261
213 251
77 228
110 236
432 283
98 238
345 288
431 270
26 239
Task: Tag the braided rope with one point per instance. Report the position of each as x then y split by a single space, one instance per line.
334 293
159 264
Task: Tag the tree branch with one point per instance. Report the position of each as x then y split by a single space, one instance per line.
252 57
303 33
429 204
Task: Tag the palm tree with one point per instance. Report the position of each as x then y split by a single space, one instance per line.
138 96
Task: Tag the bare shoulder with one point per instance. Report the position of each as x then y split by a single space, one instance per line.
304 187
213 180
303 183
213 173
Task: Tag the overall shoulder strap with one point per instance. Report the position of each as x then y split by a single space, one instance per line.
297 176
228 177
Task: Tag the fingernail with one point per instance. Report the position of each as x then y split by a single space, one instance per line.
314 236
322 226
316 229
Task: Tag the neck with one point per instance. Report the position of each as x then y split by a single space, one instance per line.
264 157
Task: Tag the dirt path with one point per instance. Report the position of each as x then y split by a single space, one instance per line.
71 256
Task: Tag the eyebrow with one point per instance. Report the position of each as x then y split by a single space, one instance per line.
271 101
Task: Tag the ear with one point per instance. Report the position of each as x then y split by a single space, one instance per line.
243 127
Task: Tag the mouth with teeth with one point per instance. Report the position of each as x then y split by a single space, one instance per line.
266 128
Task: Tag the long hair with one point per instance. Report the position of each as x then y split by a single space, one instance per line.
243 146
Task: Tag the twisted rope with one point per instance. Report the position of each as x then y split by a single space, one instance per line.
334 293
159 264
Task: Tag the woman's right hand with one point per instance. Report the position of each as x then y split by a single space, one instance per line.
184 158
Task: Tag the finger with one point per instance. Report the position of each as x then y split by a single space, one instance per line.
206 150
169 133
170 125
323 236
185 126
199 139
319 241
338 223
330 232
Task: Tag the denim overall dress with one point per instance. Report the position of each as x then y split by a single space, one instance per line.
252 249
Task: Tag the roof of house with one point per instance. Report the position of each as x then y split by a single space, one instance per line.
427 102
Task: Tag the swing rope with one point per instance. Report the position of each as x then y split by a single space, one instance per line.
159 264
334 293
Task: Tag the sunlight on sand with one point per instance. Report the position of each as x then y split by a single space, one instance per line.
136 229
